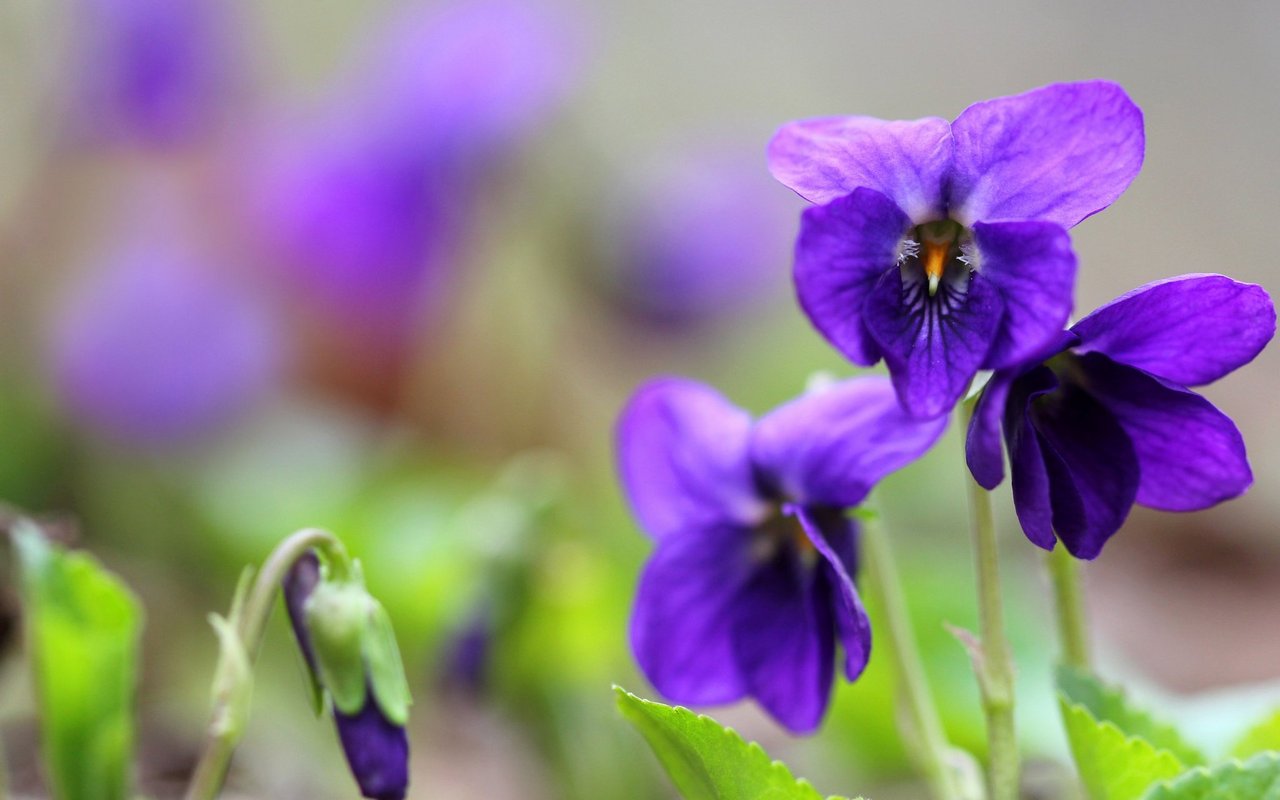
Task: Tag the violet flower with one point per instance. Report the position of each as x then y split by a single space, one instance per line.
751 583
1103 418
942 247
376 747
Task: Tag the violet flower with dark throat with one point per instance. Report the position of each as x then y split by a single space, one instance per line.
1103 417
943 247
751 583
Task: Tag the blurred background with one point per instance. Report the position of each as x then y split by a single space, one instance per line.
392 268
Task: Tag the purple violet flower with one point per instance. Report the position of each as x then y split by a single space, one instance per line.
376 748
942 247
751 583
1103 417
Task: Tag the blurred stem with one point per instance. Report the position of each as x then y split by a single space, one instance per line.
993 659
1068 601
4 772
926 738
250 620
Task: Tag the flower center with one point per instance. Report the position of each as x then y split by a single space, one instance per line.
784 531
937 251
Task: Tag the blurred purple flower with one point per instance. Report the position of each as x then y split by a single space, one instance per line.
150 70
156 348
942 247
752 580
1103 418
698 238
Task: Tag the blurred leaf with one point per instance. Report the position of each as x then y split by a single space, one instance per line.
1256 779
83 628
1263 736
1119 750
708 761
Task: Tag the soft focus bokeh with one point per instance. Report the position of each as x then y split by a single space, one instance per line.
392 268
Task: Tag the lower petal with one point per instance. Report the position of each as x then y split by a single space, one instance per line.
1190 455
683 621
1030 479
932 344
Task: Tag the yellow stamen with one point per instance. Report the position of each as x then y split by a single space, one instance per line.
935 261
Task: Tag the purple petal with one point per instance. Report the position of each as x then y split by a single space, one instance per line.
844 247
982 439
932 345
1092 466
1030 479
825 158
784 640
682 452
1190 455
1191 330
1033 267
831 446
377 751
1058 153
835 537
686 606
299 583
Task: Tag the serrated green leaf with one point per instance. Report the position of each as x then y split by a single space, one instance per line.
83 629
1255 779
708 761
1109 704
1113 765
1261 737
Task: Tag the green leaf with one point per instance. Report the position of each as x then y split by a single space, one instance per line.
1263 736
1255 779
83 629
708 761
1119 750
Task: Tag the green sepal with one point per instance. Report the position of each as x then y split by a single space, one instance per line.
707 761
386 670
1255 779
337 614
233 682
83 628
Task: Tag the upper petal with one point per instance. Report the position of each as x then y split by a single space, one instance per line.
1033 267
1058 153
844 247
933 345
1191 330
835 537
685 610
682 454
982 439
1190 455
1030 479
824 158
831 446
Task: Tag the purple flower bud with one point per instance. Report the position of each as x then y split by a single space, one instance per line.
156 348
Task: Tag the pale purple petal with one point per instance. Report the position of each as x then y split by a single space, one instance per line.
1092 466
685 613
1190 455
933 346
1030 479
377 751
825 158
1190 330
831 446
683 456
1033 267
835 536
844 247
784 640
982 439
1058 153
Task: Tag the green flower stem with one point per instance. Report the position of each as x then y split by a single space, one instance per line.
1068 601
925 737
249 621
993 659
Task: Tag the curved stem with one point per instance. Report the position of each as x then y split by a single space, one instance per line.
926 739
250 622
993 661
1068 601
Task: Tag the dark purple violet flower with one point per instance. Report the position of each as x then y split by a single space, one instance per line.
942 247
153 71
157 348
751 583
376 747
1103 417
